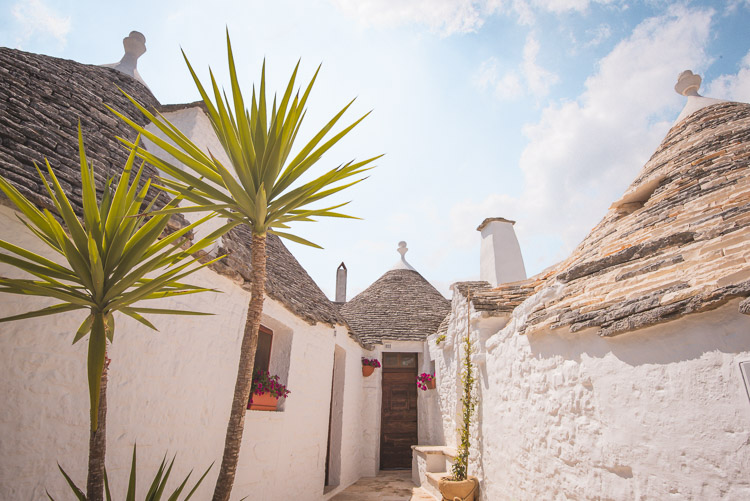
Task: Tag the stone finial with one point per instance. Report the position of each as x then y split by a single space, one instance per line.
402 264
688 84
135 47
402 249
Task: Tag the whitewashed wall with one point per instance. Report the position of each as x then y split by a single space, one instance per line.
372 395
169 391
655 414
356 451
447 356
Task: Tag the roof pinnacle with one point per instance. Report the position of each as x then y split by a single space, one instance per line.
402 264
135 47
687 85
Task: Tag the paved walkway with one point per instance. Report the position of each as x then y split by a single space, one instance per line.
387 486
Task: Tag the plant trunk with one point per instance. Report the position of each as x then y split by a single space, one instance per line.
98 445
242 388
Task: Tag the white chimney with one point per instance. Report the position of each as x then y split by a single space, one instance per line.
341 283
500 259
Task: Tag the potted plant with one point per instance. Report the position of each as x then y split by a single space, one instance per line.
460 484
266 392
426 381
369 365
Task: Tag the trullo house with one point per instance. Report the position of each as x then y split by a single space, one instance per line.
619 373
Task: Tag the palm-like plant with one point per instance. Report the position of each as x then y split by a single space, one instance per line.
156 489
259 189
107 257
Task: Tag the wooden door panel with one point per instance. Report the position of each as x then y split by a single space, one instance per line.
399 418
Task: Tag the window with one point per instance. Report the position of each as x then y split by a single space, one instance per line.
263 351
392 360
273 352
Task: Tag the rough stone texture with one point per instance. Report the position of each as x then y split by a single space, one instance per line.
570 412
286 280
745 306
41 101
678 241
496 301
400 305
658 414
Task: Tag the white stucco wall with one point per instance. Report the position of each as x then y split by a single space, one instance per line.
661 413
194 123
356 420
447 356
169 391
372 395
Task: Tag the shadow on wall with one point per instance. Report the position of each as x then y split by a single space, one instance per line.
724 330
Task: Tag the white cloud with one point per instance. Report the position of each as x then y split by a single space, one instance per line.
733 5
443 16
454 16
598 35
34 18
582 154
732 87
537 78
528 78
559 6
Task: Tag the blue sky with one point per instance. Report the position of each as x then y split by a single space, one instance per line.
538 111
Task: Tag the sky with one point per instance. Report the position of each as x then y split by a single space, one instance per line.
538 111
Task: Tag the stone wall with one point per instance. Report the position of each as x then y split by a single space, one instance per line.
654 414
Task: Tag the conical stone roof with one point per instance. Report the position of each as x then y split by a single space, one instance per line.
42 98
677 242
399 306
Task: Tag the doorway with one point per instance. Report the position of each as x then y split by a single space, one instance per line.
398 424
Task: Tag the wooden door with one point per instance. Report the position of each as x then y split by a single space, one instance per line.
398 426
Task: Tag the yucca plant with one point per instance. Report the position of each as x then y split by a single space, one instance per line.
155 490
111 259
260 188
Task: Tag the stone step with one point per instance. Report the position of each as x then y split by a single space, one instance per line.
431 486
448 452
434 477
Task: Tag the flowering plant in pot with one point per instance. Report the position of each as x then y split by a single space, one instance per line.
369 365
460 484
426 381
266 391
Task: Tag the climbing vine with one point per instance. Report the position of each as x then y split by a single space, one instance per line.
469 401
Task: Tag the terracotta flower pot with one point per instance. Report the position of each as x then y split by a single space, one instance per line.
367 370
265 402
430 384
464 490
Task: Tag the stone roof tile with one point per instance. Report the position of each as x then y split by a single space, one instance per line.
400 306
677 242
41 100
